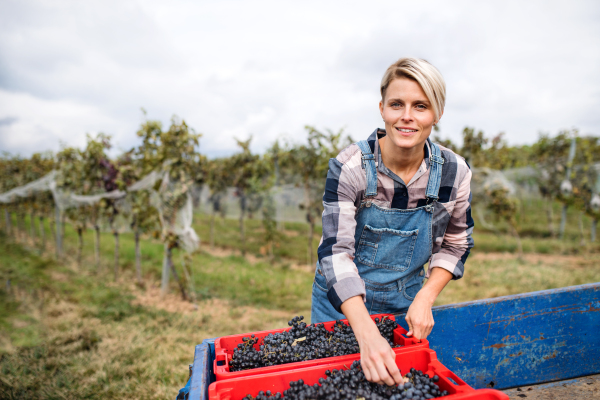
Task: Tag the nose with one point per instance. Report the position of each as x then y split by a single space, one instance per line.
406 115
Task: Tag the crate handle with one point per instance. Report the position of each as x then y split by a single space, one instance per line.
451 376
221 360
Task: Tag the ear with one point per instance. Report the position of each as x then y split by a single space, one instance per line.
381 108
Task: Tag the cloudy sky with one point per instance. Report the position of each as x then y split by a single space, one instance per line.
267 68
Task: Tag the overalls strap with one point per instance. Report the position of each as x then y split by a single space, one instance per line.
435 174
368 164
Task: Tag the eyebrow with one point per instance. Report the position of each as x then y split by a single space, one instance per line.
416 101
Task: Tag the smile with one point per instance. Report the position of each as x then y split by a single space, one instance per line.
406 130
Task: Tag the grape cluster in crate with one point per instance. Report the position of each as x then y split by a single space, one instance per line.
302 343
351 384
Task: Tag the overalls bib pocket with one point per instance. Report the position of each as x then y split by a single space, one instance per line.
386 248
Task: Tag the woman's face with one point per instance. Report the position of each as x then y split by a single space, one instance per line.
407 113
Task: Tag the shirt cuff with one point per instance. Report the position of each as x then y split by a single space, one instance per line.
345 289
448 262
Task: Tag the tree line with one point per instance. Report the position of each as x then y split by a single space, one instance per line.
565 169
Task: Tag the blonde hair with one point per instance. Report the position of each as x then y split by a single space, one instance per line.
426 75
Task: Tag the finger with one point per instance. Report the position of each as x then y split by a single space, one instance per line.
382 370
410 327
416 329
428 331
390 364
365 370
374 375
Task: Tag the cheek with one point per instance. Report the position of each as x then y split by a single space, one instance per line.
391 115
426 120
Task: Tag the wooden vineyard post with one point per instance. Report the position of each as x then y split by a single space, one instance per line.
164 286
7 218
58 234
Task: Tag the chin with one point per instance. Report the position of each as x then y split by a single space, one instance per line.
407 143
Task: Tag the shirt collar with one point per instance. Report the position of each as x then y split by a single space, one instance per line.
374 144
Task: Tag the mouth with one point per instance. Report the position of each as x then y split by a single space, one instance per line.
406 131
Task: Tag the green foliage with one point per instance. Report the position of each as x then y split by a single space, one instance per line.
218 178
175 153
495 153
310 163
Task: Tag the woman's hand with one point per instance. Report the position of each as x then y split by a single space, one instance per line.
377 358
419 318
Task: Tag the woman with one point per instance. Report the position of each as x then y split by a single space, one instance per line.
392 203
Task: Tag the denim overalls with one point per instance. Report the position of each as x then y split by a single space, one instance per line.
391 247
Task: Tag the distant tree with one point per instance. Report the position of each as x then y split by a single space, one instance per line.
554 159
247 173
473 147
175 153
71 180
505 208
100 176
586 182
310 162
218 178
42 204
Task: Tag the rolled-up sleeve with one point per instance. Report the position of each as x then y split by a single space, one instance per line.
458 241
336 251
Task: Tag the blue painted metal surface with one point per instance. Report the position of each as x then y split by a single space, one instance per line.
200 373
202 370
503 342
521 340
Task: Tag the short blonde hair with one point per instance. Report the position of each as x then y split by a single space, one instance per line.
426 75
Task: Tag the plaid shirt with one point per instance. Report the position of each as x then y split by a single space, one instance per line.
346 184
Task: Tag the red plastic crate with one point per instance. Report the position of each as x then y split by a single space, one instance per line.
420 358
225 345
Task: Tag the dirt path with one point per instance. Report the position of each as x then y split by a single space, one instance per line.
577 389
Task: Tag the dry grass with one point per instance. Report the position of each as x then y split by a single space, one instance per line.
76 336
501 274
69 334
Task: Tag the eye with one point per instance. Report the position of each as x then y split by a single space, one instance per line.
395 104
421 106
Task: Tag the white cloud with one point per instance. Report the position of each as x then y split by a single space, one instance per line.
266 68
33 124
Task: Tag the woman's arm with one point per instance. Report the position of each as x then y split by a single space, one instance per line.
346 289
336 250
376 356
447 263
419 316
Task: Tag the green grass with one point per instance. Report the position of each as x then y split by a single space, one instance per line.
291 243
71 333
74 334
532 221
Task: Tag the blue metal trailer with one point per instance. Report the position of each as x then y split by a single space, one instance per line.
504 342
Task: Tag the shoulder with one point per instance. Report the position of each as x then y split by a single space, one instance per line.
349 158
349 154
454 164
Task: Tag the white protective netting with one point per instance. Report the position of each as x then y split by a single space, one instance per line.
287 200
172 200
44 184
174 204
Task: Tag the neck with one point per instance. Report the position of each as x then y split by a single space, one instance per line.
403 162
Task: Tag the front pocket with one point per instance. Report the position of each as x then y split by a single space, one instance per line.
412 286
386 248
320 280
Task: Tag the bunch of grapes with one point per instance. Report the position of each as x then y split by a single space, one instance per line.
301 343
351 384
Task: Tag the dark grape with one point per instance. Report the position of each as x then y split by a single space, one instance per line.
351 384
302 342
